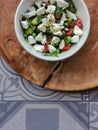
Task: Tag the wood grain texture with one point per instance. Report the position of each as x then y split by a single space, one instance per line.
76 73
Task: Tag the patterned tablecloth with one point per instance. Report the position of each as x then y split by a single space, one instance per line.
24 106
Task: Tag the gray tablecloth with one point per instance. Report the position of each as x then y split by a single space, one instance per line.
24 106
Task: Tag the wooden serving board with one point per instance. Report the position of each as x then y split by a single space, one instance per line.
79 72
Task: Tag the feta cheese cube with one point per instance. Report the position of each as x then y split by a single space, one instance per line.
59 33
66 29
62 3
63 18
29 14
45 21
41 10
77 30
39 37
42 27
51 18
51 9
75 39
39 48
55 39
38 3
56 27
71 15
44 39
43 4
45 0
30 9
52 1
31 40
24 24
62 44
51 48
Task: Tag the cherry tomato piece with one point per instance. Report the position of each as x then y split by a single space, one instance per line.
46 46
66 47
70 32
79 23
72 24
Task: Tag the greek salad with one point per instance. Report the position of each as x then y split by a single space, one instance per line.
52 26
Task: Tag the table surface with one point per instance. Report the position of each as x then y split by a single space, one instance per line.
24 106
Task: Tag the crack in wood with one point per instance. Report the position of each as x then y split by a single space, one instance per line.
51 74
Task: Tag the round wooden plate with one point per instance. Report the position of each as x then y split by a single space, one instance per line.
80 72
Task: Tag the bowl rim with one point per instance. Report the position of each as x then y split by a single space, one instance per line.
52 58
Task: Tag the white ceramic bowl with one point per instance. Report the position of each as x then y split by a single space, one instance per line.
82 13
